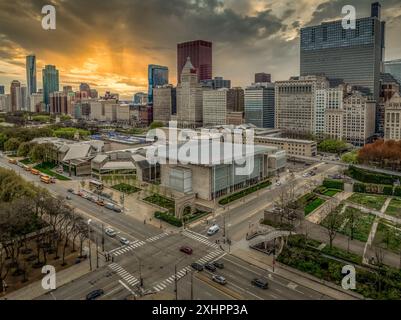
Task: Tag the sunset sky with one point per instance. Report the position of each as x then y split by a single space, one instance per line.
109 44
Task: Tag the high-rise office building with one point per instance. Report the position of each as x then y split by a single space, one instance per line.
15 92
392 122
216 83
157 76
189 98
31 74
262 77
5 102
200 53
239 99
216 106
164 103
60 103
50 83
354 56
140 98
295 108
394 68
260 105
35 102
2 91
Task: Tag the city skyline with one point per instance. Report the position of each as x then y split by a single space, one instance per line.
113 53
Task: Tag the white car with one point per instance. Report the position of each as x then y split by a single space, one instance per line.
306 175
278 184
110 232
213 230
124 241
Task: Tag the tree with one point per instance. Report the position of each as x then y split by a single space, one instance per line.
156 124
42 152
24 149
332 223
333 146
12 144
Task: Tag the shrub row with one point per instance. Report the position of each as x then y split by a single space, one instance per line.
377 189
371 177
168 218
333 184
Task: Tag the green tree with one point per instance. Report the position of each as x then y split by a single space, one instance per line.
156 124
350 157
24 149
12 144
333 146
3 139
42 153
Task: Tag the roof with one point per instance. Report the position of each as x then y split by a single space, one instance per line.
119 165
78 151
100 158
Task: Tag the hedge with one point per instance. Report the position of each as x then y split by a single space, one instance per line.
397 191
370 188
359 187
371 177
168 218
333 184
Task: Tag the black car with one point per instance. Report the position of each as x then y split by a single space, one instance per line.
95 294
197 266
218 264
70 190
260 283
210 267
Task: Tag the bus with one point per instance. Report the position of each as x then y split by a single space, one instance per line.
45 179
96 184
35 172
12 161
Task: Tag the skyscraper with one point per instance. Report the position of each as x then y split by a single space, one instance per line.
31 74
157 76
262 77
216 83
50 83
200 53
2 90
394 68
189 98
15 92
259 105
354 56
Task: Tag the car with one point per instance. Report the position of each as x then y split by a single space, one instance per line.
305 175
124 241
94 294
100 203
70 190
219 279
197 266
213 230
68 197
109 206
278 184
218 264
116 209
210 267
186 249
260 283
110 232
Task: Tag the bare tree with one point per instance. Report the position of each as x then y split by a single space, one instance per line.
332 222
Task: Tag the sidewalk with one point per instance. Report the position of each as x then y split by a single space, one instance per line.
266 262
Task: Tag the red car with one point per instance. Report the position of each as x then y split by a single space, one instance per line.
186 249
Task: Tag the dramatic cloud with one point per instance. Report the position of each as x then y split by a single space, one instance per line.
109 43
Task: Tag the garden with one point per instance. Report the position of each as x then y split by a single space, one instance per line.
375 202
47 168
245 192
388 237
328 192
394 209
163 202
327 265
126 188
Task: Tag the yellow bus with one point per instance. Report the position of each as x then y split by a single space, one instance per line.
12 161
45 179
35 172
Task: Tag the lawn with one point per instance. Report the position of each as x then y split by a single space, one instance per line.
388 237
329 192
310 202
375 202
126 188
47 168
244 193
27 161
163 202
394 209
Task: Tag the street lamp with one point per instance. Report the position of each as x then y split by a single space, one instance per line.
89 241
176 278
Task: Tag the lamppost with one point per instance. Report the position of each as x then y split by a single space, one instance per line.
89 241
176 278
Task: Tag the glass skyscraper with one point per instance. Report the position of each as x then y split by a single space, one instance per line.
31 74
394 68
157 76
260 105
2 90
50 83
354 56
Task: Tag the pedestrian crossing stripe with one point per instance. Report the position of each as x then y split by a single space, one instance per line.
157 237
125 249
200 238
124 274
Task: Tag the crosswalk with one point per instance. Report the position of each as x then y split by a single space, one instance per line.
212 256
125 249
124 274
200 238
157 237
180 274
